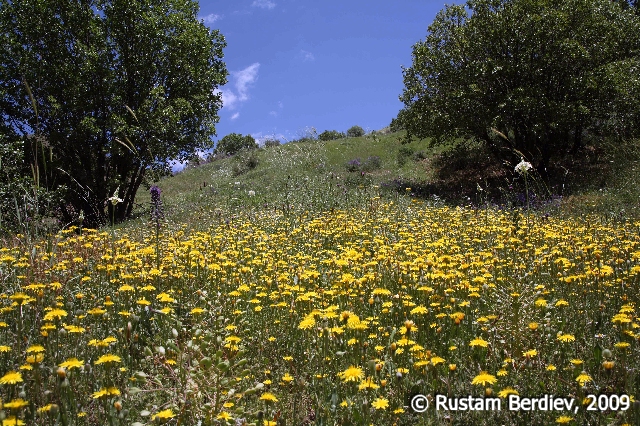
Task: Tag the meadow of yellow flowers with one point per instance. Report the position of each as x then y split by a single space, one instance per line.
337 317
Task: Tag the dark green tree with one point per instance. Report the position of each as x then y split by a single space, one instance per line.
528 78
355 132
114 89
330 135
234 142
270 143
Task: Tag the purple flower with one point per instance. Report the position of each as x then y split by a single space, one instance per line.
156 204
155 194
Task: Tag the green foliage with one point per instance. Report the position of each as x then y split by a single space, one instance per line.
246 160
270 143
532 78
25 206
117 88
404 154
330 135
354 165
396 125
234 142
372 163
355 132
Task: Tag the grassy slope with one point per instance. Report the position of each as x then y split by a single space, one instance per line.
301 174
313 175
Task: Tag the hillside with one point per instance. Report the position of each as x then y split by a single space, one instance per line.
303 175
316 175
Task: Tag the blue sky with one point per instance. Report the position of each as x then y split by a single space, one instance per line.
330 64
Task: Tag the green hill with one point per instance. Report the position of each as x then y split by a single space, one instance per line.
316 175
301 175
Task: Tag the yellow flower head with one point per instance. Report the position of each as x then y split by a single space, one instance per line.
268 396
566 337
35 349
483 379
368 384
164 414
108 358
507 391
351 374
55 314
11 378
479 341
72 363
16 404
583 378
380 403
105 392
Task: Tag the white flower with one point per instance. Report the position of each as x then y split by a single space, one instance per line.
523 167
114 198
251 193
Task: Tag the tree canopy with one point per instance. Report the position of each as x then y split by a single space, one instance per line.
355 132
113 90
529 78
234 142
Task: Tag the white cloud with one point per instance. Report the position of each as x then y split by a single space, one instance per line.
273 113
236 115
229 99
280 105
307 56
244 78
264 4
241 82
210 18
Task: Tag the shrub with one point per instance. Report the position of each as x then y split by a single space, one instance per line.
354 165
270 143
247 160
234 142
355 132
25 205
330 135
420 155
395 125
404 153
372 163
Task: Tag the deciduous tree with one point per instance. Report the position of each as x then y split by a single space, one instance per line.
234 142
115 89
529 78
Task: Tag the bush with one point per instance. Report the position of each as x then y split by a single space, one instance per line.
25 205
330 135
355 132
270 143
372 163
247 160
354 165
404 153
395 125
234 142
420 155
